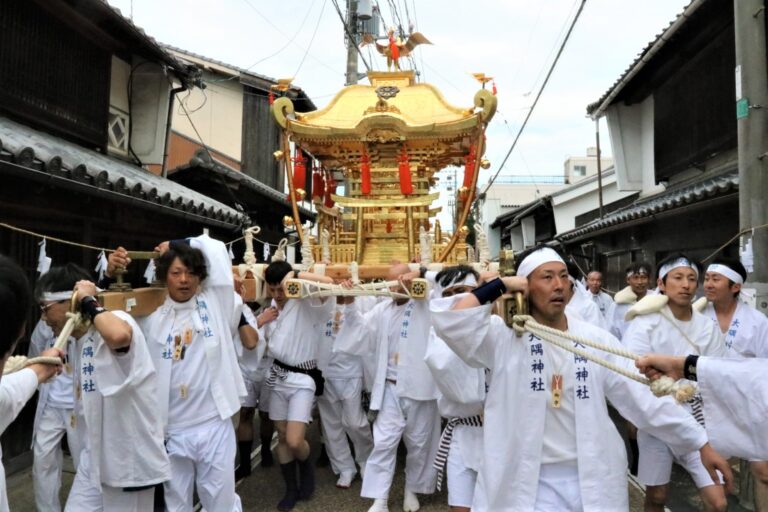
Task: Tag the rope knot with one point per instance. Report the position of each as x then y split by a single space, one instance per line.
681 391
519 322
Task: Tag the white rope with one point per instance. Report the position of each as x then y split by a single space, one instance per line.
280 251
16 363
682 392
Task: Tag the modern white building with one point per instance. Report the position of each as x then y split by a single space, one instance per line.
577 168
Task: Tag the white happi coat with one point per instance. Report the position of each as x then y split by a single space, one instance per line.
654 333
461 391
215 304
15 391
516 406
604 303
747 336
735 396
117 395
43 338
362 334
582 307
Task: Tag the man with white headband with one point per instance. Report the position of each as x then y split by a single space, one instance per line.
579 303
403 395
118 411
54 418
549 443
675 329
462 395
746 335
638 274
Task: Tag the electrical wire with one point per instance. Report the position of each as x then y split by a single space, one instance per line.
312 39
350 37
538 95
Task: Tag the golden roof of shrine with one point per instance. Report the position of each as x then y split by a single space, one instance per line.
392 107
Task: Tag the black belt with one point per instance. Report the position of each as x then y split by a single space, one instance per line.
314 373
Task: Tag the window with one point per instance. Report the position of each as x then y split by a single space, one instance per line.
579 170
118 132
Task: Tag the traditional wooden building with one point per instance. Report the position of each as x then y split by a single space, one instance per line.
84 103
223 139
672 121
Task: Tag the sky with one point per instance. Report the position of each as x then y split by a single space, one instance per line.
514 41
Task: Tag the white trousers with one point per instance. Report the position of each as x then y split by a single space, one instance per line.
84 496
417 422
203 455
342 415
48 458
558 489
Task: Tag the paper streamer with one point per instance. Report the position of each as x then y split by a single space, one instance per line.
231 254
43 261
101 265
149 274
266 252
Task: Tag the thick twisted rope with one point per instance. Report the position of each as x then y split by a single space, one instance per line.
682 392
16 363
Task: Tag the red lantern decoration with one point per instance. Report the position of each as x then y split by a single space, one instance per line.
404 167
365 174
493 86
330 188
469 167
389 226
318 185
299 175
271 97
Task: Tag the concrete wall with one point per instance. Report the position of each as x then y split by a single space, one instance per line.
631 132
582 199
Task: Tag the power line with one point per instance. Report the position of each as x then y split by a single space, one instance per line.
291 40
351 38
538 95
312 39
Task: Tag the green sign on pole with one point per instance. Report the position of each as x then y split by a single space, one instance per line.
742 108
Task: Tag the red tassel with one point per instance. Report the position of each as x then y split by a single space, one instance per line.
330 188
318 185
406 186
469 167
494 87
271 97
394 50
299 175
389 226
365 174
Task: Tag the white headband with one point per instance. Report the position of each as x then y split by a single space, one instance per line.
537 259
679 262
56 296
641 271
727 272
469 280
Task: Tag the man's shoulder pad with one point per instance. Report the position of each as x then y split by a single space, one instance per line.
625 296
647 305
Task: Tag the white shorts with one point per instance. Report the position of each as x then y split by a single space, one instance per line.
461 479
558 489
655 464
291 404
253 390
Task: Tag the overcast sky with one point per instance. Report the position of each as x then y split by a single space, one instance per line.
512 40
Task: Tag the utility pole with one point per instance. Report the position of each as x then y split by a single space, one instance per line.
352 75
752 122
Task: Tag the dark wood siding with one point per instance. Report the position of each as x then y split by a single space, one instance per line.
261 138
51 76
694 111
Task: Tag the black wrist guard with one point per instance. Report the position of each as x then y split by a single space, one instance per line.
243 321
422 272
90 307
689 368
490 291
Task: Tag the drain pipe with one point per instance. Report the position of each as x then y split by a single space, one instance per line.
174 92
